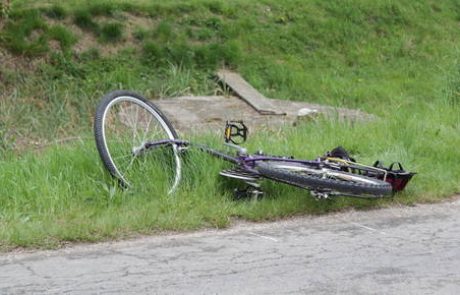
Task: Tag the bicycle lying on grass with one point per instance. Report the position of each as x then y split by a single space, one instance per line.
129 130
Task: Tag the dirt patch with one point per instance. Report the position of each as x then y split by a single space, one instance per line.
88 40
19 64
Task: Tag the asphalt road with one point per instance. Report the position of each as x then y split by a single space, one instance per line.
406 250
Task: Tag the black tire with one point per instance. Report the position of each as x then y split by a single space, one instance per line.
131 118
327 180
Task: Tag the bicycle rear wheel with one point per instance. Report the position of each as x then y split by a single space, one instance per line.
124 122
324 179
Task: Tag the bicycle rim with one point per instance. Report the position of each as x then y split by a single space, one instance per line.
127 123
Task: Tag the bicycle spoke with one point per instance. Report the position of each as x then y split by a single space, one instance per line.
135 125
146 130
130 164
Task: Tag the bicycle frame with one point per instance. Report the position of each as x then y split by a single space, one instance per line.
248 161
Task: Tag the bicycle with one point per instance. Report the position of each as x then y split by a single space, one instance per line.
128 128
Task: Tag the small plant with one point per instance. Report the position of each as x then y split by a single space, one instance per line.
111 32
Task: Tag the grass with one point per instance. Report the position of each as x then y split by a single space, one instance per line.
111 32
84 20
62 193
395 59
24 34
56 11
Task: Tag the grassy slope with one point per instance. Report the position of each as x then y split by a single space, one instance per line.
397 59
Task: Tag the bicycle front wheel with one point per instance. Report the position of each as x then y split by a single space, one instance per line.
324 179
124 122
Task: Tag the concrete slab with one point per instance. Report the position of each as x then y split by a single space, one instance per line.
209 113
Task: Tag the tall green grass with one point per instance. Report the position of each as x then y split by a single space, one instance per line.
63 193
